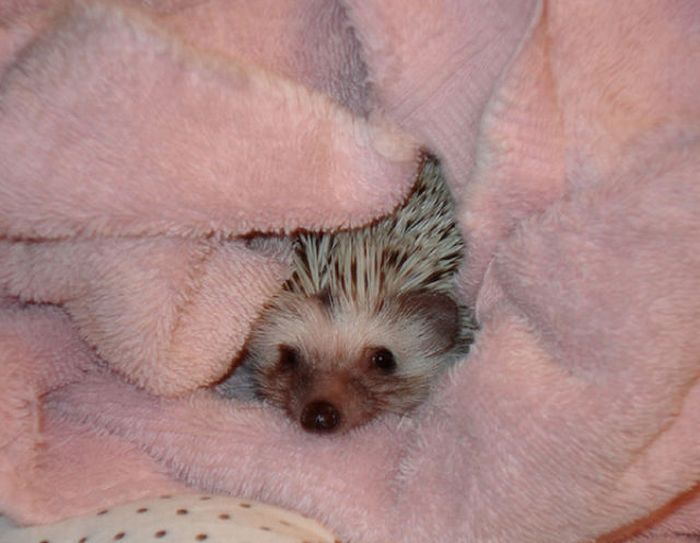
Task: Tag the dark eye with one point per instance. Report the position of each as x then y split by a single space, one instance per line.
288 357
384 360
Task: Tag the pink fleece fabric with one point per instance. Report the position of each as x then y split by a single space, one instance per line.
140 141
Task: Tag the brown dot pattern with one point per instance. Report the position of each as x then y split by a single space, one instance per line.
212 518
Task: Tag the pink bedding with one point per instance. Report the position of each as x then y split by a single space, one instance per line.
141 141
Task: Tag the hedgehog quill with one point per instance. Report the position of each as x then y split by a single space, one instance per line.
368 320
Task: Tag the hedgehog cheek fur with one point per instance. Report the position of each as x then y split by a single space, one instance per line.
332 364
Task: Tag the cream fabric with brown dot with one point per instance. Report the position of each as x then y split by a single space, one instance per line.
177 519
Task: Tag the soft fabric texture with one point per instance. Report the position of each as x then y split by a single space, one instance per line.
151 140
180 518
139 141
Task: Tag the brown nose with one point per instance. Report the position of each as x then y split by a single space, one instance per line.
320 416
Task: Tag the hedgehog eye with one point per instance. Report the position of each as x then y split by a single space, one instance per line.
383 359
288 358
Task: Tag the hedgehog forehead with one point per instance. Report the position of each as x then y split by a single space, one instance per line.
324 335
338 335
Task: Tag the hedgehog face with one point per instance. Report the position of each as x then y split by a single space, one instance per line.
333 364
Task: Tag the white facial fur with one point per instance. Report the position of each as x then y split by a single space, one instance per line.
307 350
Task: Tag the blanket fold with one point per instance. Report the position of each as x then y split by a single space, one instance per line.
150 137
115 128
162 292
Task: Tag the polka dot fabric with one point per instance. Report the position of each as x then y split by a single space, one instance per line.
186 518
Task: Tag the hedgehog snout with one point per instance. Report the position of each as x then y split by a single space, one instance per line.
320 416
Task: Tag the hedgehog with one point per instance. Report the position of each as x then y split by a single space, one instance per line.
368 319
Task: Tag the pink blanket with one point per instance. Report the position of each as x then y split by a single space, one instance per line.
142 142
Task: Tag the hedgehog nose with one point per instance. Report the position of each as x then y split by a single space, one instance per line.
320 416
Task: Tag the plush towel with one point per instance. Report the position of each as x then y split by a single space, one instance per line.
140 142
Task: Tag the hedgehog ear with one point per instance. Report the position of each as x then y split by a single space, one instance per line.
439 311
